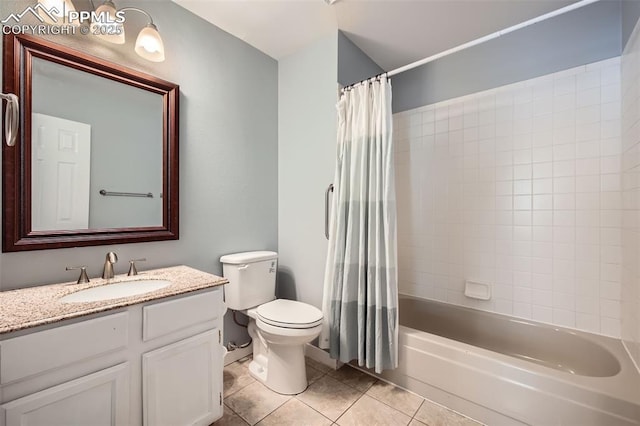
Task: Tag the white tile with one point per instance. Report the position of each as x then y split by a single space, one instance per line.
542 282
523 171
588 322
543 233
610 182
543 186
588 166
565 134
542 154
564 234
588 80
522 187
588 115
522 202
543 202
564 85
610 111
541 313
588 97
610 290
542 170
610 93
542 217
610 327
610 308
610 164
564 201
564 168
587 218
564 217
588 183
564 185
564 318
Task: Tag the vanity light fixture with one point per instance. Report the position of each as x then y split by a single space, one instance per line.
149 44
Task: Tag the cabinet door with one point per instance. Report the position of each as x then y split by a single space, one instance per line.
99 399
182 382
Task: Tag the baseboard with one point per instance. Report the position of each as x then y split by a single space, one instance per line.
321 356
233 356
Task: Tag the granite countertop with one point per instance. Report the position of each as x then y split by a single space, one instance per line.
34 306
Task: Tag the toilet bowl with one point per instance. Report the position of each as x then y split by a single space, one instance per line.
279 328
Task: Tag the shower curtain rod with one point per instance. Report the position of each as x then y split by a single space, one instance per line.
497 34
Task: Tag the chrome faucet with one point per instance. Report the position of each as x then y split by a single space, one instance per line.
107 271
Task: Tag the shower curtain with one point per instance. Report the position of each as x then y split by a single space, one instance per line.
360 286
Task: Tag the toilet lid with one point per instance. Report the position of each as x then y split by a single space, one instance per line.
289 314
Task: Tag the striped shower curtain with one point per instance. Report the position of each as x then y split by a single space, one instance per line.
360 285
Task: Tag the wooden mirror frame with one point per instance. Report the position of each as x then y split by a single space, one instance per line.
17 235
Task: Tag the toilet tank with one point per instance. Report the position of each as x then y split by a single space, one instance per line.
252 278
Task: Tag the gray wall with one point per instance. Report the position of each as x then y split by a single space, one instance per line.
308 91
586 35
630 12
228 150
353 64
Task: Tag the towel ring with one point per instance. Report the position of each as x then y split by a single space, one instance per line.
11 116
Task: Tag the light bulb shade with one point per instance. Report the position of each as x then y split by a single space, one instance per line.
149 44
109 30
57 11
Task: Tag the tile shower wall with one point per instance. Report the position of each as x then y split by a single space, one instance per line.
631 195
519 187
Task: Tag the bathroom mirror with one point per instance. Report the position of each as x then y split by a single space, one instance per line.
97 155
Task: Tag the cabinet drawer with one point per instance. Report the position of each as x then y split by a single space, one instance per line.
167 317
101 398
36 353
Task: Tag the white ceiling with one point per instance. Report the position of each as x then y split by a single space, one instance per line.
392 32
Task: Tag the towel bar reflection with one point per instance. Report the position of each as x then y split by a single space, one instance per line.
125 194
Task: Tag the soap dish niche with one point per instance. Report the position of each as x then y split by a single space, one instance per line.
477 290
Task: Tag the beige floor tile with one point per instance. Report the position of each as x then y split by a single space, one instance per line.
371 412
229 419
255 401
318 365
294 412
395 397
236 376
352 377
414 422
313 374
436 415
330 397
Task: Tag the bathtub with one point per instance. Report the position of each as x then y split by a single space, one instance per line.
503 370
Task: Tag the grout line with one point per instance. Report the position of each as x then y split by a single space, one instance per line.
349 407
302 402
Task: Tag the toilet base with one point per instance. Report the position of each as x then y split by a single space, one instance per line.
280 367
282 371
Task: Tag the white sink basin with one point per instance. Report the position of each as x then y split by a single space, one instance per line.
115 291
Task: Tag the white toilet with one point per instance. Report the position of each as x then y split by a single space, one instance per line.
279 328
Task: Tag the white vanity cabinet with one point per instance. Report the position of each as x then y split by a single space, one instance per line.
158 363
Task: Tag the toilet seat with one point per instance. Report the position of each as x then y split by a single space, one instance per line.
289 314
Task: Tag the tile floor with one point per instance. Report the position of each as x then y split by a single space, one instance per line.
342 397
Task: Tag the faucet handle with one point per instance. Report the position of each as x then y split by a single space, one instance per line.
132 266
84 278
